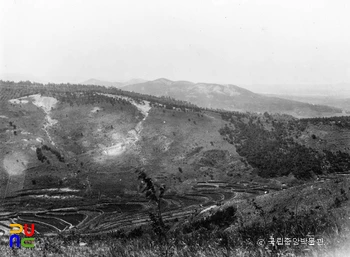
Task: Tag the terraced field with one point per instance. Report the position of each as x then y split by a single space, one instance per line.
107 215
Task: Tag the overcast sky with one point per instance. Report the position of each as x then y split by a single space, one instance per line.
239 41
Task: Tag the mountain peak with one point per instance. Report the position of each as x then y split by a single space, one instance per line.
98 82
162 80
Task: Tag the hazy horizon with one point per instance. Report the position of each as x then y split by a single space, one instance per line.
262 46
339 90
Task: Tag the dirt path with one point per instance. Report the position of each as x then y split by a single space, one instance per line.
46 104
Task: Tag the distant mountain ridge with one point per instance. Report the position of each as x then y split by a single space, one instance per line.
117 84
337 90
340 102
230 97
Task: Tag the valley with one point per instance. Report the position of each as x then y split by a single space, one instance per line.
70 156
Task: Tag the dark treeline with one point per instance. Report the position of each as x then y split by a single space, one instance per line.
341 121
89 94
41 157
55 152
71 92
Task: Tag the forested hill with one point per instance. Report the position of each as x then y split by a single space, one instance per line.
280 146
273 145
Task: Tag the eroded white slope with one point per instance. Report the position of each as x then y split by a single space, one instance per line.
122 143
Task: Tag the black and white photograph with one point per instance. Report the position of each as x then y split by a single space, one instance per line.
174 128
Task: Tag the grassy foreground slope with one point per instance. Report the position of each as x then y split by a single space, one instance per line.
237 228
